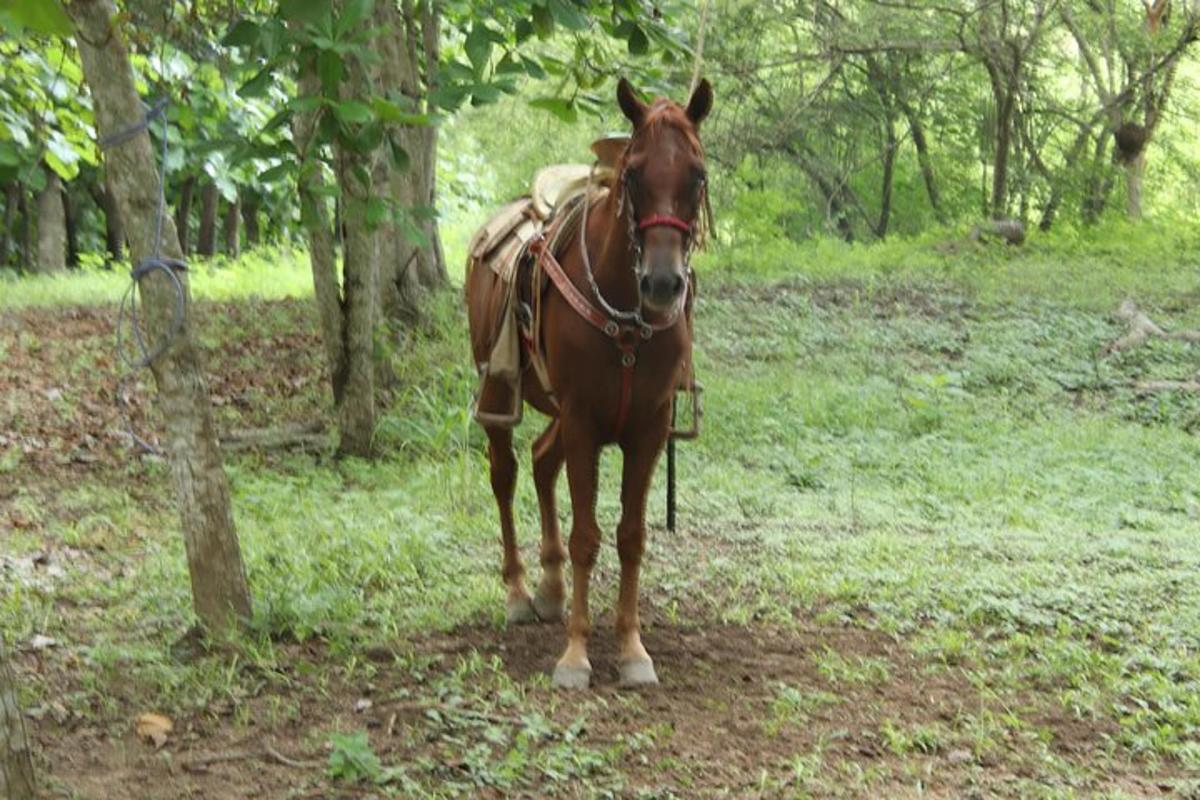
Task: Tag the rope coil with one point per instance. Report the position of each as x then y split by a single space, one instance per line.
127 314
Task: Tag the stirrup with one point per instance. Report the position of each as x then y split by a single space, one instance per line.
492 420
697 411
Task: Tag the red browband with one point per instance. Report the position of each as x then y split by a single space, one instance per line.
657 220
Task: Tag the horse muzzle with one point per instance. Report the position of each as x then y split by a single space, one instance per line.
661 290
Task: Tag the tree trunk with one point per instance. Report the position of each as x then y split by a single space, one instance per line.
114 233
12 199
206 241
1006 103
314 216
360 284
232 229
16 766
250 221
1135 172
924 161
71 215
219 592
26 231
183 215
399 272
51 226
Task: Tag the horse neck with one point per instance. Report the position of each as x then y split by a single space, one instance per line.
611 253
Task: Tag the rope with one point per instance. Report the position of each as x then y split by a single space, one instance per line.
698 60
155 262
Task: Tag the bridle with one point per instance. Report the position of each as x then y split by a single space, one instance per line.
637 230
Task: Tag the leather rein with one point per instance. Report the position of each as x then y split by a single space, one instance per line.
627 329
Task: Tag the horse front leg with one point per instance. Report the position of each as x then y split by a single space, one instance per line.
640 456
573 670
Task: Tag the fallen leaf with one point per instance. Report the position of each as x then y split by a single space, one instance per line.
41 642
362 705
154 728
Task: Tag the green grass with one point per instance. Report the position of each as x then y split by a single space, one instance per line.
268 273
894 440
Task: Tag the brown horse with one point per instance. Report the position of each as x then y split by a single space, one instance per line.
615 338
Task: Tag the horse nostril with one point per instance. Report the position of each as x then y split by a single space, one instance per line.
677 284
646 285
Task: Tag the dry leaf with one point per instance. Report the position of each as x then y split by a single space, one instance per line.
154 728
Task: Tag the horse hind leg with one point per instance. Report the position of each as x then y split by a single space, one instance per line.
504 481
547 464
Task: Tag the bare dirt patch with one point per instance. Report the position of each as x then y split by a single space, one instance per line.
717 725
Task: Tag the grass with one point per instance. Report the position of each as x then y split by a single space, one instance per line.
896 440
268 273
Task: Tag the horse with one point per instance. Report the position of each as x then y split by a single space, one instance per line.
615 335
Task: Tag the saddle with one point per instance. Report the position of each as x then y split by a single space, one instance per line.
551 209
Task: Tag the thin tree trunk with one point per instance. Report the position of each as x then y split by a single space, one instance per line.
114 234
232 228
12 199
206 241
16 766
924 161
1135 173
314 215
1004 116
219 592
889 172
183 214
52 226
250 220
71 214
26 232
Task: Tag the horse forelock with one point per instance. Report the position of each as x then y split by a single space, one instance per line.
666 115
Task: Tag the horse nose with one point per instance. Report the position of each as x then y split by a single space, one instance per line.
662 287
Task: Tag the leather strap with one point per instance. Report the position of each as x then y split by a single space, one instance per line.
627 338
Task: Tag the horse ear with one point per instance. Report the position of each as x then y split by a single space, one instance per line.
630 103
701 102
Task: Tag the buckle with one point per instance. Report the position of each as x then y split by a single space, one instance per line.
611 329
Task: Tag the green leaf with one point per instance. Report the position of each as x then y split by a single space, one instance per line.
352 14
353 112
479 47
559 107
543 21
533 69
387 111
244 34
258 85
377 212
10 154
484 93
638 43
330 68
568 15
524 30
40 16
313 12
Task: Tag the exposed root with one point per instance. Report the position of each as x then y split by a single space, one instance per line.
1142 329
305 436
267 753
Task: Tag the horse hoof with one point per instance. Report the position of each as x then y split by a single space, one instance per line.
521 612
547 610
567 677
637 673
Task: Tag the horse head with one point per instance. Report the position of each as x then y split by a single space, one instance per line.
663 184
